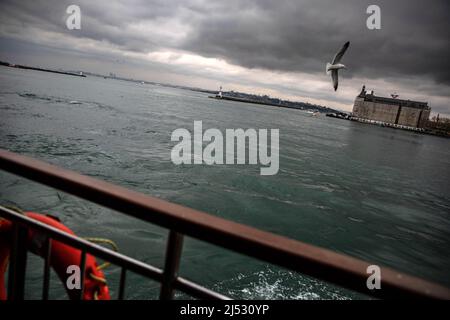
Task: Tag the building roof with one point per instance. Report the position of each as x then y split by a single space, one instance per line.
397 102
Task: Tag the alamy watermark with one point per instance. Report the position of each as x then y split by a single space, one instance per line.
228 149
73 280
373 22
374 280
73 21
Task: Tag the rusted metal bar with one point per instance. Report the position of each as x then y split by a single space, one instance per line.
18 264
172 264
317 262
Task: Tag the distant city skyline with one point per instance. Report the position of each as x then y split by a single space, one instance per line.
261 47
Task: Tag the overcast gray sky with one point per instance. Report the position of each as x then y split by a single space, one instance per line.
270 47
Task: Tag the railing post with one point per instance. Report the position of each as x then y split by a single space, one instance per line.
172 263
123 276
47 257
82 273
18 264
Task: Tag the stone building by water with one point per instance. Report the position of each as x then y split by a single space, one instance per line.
391 110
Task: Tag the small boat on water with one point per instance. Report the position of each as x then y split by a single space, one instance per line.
313 113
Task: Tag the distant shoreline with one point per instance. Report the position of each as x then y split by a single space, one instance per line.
18 66
254 102
280 105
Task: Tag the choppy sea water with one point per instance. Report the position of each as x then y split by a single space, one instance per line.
378 194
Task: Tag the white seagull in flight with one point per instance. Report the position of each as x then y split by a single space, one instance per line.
334 66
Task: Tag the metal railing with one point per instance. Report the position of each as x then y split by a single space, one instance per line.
313 261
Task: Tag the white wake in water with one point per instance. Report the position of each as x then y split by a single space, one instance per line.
269 284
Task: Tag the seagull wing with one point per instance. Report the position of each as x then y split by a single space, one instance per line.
334 76
337 58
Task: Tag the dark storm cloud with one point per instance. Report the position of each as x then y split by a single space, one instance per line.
277 35
303 35
101 20
289 35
